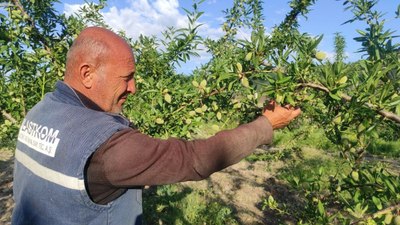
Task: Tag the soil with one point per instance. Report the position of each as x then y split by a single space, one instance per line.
6 201
245 185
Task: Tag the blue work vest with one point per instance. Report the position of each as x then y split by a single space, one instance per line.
55 141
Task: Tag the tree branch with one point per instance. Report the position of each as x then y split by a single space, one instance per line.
384 113
32 24
8 116
380 212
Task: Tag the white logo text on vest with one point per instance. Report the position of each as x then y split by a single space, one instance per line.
38 137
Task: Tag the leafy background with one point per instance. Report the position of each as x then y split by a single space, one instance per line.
355 106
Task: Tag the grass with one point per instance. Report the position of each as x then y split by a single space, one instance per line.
175 204
385 148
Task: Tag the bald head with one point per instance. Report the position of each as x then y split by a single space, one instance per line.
97 58
94 45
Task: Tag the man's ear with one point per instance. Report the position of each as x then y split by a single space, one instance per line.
86 73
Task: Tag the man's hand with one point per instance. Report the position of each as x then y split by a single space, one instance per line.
280 116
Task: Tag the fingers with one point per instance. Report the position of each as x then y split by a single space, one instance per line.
289 107
273 106
280 116
270 106
295 113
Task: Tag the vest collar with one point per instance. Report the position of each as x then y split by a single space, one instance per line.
74 97
67 94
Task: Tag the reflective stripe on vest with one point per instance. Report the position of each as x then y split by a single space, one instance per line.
49 174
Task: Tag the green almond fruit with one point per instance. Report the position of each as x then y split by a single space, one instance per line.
342 80
245 82
355 176
388 218
396 220
159 121
248 56
198 110
219 116
239 67
195 83
320 55
167 98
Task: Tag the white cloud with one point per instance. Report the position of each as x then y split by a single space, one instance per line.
151 18
70 9
146 17
206 31
244 33
140 16
330 56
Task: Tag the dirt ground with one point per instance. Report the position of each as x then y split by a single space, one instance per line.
6 202
243 187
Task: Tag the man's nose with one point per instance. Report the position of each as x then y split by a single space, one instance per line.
131 86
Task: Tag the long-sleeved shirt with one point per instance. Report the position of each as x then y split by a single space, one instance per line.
131 159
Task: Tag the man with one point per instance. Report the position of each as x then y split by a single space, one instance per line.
79 162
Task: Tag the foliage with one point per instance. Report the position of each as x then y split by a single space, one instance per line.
340 45
34 40
353 103
331 191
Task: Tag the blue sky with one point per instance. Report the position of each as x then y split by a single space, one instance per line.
151 17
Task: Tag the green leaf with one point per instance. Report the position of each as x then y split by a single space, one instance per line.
390 186
237 105
296 180
203 84
398 12
334 96
7 122
337 120
377 202
284 80
321 208
280 98
394 103
290 100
